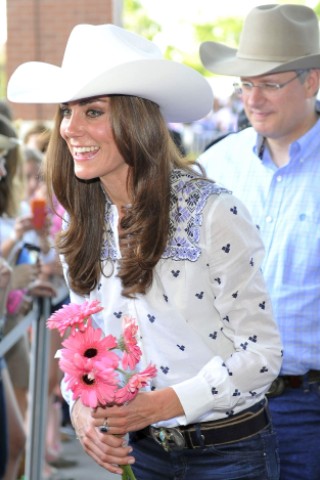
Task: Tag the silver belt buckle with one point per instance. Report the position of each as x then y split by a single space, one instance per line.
276 388
168 438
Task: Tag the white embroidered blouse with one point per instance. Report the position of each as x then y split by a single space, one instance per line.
206 322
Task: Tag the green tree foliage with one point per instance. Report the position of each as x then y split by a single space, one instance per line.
136 20
317 9
225 30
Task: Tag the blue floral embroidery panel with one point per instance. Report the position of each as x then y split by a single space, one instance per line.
188 199
109 250
189 194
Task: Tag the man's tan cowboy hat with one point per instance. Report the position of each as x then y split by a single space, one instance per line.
106 59
275 38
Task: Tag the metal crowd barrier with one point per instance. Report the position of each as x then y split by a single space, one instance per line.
38 387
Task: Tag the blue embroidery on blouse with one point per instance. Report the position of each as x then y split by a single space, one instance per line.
109 245
189 194
188 199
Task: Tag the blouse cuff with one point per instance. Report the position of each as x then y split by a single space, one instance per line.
207 391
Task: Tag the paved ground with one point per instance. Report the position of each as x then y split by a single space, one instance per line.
86 468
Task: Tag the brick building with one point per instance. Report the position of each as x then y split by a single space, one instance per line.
38 30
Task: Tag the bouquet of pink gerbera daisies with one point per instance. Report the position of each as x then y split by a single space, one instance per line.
99 369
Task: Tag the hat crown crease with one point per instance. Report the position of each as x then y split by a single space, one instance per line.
287 34
275 38
92 45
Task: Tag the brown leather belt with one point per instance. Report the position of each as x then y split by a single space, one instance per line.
233 429
281 383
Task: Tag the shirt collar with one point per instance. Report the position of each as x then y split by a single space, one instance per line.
300 145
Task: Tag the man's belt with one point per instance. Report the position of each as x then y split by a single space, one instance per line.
233 429
281 383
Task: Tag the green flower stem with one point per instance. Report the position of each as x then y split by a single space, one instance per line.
127 473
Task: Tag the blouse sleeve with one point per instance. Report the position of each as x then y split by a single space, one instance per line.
233 247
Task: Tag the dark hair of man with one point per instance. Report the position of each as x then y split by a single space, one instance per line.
143 139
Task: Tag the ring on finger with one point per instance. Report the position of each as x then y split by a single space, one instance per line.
104 427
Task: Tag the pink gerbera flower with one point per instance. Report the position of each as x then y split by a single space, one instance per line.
134 384
94 383
90 344
90 366
74 316
128 343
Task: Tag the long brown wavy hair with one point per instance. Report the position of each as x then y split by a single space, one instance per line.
142 137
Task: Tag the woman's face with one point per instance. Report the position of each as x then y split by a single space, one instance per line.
86 128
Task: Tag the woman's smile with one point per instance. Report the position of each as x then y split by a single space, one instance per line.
84 153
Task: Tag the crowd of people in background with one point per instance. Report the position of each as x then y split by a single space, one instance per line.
27 253
225 117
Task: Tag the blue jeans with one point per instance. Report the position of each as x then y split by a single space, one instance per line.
255 458
296 419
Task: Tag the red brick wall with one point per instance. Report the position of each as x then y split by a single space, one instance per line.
38 30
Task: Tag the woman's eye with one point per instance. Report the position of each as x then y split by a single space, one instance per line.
65 111
94 113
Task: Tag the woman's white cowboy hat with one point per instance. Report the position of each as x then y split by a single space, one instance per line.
106 59
275 38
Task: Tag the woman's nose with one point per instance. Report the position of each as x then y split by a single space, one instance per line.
72 125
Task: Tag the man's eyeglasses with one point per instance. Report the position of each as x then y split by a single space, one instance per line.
267 87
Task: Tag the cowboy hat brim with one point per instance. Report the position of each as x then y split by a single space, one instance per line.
224 60
182 93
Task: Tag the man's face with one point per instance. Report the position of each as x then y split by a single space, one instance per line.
278 112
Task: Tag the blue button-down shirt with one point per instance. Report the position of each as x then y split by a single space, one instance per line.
285 204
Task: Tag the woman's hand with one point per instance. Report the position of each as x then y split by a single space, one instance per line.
145 409
22 225
108 450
